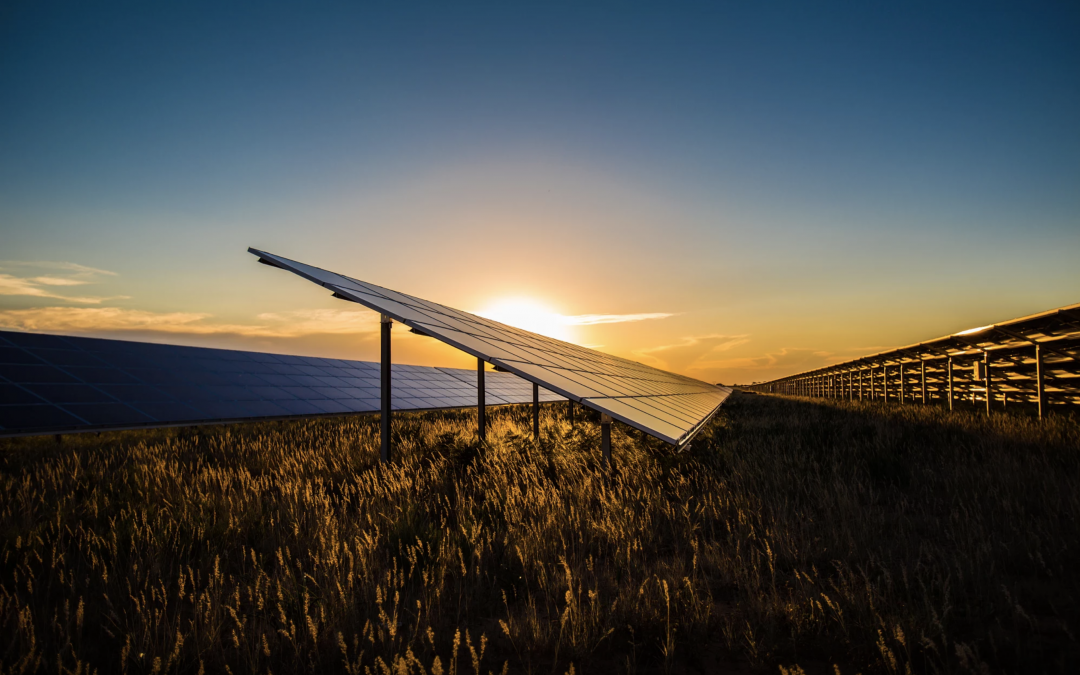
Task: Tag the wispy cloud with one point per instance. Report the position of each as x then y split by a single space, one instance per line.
73 268
690 353
318 321
57 281
115 319
63 274
597 319
793 358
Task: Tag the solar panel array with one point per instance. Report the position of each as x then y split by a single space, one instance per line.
1033 359
53 384
665 405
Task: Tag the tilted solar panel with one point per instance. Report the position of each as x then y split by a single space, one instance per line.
54 384
665 405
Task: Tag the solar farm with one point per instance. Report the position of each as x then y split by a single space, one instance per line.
555 509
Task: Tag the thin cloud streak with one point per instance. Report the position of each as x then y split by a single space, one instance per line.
115 319
57 281
58 265
77 275
599 319
690 353
11 285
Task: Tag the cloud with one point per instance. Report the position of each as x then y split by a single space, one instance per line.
690 353
57 281
71 267
70 274
115 319
319 321
794 358
597 319
12 285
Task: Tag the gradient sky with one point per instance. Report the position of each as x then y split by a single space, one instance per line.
775 188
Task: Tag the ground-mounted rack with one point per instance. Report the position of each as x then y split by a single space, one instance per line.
1032 360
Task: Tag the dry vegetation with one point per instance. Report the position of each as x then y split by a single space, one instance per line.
877 538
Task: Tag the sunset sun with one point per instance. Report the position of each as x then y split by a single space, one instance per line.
528 315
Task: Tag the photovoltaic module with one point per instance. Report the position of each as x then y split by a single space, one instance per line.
668 406
56 384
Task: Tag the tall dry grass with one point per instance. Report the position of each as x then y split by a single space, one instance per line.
798 534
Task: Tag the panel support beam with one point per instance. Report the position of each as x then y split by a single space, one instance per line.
1040 384
386 323
481 405
536 411
605 439
948 366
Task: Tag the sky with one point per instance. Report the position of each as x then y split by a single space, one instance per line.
732 191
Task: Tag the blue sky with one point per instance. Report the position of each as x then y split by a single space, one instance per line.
809 179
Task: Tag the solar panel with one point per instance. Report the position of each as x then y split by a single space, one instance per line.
54 384
668 406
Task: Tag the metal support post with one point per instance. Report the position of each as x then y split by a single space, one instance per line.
384 393
903 391
949 367
1040 385
605 439
481 407
922 380
570 410
885 383
862 373
536 411
989 382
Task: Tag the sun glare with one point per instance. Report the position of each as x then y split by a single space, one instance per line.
528 315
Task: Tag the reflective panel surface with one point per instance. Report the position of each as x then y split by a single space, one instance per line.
54 384
668 406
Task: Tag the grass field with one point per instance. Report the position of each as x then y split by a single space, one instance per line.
794 535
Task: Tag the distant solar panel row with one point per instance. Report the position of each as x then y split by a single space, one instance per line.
52 384
1032 359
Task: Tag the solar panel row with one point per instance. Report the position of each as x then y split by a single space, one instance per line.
51 383
666 405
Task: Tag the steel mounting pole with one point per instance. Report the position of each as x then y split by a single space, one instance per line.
948 365
605 439
922 379
570 410
481 406
989 382
384 393
1040 384
536 411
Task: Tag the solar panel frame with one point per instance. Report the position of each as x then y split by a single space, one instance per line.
609 384
144 385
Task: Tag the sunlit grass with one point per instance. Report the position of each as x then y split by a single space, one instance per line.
877 538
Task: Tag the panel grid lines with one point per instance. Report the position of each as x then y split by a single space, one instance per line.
145 385
596 379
